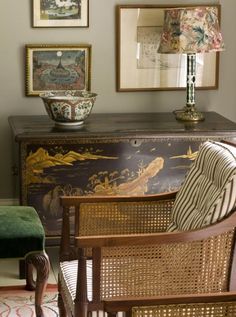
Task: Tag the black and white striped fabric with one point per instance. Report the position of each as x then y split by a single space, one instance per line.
68 277
208 193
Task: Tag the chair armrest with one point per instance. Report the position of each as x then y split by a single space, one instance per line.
226 299
217 305
215 230
198 261
77 200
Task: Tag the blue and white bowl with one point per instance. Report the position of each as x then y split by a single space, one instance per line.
68 108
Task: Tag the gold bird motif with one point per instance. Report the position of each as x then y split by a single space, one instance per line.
190 155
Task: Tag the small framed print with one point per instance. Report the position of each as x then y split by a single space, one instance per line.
60 13
141 68
57 67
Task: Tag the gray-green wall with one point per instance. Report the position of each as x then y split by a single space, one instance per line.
16 31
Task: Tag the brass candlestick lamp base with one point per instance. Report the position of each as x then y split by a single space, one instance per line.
189 113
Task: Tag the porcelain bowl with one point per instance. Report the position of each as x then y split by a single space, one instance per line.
68 108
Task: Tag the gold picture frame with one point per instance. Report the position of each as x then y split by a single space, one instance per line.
57 68
56 13
141 68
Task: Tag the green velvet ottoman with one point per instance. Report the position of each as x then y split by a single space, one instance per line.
22 236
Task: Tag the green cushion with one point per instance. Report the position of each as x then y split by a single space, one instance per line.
21 231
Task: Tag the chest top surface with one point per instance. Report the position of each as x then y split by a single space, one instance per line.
121 125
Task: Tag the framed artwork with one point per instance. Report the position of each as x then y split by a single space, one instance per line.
60 13
141 68
57 67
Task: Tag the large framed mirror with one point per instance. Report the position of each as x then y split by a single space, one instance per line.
141 68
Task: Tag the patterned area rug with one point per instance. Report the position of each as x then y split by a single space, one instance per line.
17 302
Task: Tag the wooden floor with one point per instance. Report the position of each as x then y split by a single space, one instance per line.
9 270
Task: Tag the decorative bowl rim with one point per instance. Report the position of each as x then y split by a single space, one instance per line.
67 95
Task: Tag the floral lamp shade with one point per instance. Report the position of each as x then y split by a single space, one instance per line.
191 30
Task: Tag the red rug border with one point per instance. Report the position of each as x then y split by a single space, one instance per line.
50 287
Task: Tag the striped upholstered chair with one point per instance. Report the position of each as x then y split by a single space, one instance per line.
164 255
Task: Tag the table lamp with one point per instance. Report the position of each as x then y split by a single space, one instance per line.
190 30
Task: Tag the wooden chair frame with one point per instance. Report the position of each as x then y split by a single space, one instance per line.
73 247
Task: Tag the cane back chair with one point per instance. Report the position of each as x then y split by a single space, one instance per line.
174 252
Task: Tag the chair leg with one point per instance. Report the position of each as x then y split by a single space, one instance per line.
61 307
42 265
22 269
111 314
30 282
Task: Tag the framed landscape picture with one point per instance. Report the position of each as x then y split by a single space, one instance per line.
60 13
141 68
57 67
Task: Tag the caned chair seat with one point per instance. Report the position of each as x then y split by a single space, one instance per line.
199 309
